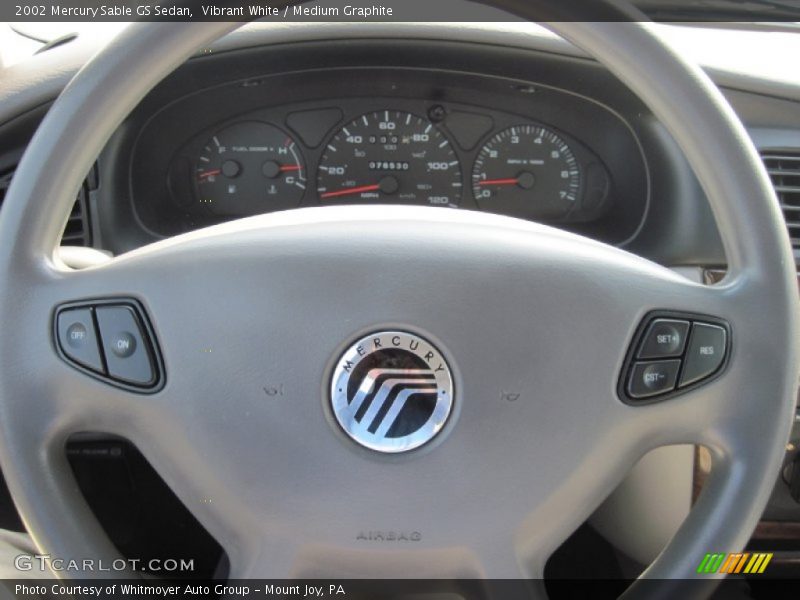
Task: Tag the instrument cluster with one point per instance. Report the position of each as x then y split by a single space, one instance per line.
378 135
419 153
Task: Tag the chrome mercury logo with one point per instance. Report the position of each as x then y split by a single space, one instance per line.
392 391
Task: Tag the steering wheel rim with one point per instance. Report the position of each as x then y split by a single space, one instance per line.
746 441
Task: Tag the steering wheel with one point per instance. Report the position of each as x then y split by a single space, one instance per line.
287 299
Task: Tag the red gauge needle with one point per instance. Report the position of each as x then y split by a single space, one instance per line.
348 191
525 180
285 168
509 181
210 173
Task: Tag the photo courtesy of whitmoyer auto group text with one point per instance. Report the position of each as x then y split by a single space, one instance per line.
400 299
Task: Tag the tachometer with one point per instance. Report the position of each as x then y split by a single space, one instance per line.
527 169
249 168
392 157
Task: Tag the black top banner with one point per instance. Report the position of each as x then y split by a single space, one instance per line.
701 11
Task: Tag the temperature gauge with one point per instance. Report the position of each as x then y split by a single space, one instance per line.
249 168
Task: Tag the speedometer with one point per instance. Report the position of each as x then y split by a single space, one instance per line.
527 169
393 157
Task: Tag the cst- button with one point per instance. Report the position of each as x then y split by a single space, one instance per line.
664 338
653 378
706 351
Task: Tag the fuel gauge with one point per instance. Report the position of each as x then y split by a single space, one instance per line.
249 168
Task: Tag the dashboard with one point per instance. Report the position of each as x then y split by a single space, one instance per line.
397 135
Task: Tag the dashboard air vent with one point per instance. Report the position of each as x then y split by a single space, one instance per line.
783 167
77 232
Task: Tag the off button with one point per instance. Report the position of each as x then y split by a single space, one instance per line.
77 339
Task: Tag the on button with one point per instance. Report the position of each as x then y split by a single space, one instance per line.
125 347
123 344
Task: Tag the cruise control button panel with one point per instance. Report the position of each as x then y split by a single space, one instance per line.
673 352
112 340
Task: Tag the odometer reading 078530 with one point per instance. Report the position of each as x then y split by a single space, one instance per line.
527 170
390 156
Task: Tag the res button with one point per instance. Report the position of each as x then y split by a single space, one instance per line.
664 338
706 351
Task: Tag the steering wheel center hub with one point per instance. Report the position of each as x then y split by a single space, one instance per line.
392 391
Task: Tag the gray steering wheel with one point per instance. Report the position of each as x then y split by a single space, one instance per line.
278 298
